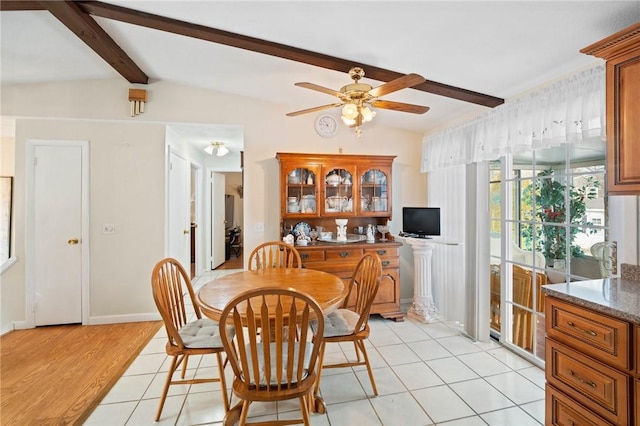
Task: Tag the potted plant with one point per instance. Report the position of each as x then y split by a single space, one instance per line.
551 209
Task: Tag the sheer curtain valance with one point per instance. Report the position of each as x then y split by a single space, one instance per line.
566 111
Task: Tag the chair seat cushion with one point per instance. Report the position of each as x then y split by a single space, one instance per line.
202 333
341 322
272 349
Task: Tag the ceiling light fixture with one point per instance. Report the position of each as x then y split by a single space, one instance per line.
219 147
356 113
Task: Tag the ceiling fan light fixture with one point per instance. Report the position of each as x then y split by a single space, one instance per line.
348 121
350 111
219 147
367 114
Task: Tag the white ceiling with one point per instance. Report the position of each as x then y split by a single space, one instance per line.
497 48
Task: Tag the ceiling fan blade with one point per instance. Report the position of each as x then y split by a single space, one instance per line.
403 82
399 106
306 111
320 89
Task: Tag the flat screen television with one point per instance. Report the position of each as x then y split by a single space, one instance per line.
421 222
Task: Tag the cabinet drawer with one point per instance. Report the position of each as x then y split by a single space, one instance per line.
595 385
637 351
312 256
562 410
384 253
598 335
637 401
344 254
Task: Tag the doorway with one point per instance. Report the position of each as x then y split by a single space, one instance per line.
57 232
234 219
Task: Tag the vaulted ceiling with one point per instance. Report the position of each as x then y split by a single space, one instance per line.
473 54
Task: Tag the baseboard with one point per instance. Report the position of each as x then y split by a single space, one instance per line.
16 325
115 319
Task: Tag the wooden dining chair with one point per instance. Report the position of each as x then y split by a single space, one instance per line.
200 336
271 361
274 254
350 323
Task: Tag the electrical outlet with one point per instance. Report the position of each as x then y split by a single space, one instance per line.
259 227
108 228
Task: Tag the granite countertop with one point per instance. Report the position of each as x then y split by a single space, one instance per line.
617 297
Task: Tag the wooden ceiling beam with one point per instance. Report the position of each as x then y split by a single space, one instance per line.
121 62
88 30
201 32
18 5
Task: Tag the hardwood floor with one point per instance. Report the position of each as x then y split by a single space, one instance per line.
234 262
59 374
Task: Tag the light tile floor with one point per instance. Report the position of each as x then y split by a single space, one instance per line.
427 374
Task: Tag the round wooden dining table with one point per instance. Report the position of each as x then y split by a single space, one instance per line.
327 289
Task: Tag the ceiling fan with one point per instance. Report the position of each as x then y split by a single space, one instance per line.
357 98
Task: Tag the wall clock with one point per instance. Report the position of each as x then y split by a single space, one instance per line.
326 125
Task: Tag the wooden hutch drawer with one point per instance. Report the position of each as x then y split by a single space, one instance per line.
603 389
344 254
562 410
384 253
311 256
595 334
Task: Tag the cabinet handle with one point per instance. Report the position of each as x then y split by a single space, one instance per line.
581 380
382 252
385 262
582 330
304 256
344 253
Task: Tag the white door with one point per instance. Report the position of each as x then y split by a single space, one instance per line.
57 251
218 226
178 211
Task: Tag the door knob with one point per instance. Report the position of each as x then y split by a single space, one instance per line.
72 241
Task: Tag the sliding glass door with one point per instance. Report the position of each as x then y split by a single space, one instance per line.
548 224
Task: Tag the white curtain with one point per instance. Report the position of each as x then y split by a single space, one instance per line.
566 111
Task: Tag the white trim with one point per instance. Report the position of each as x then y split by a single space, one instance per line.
7 264
30 222
198 209
117 319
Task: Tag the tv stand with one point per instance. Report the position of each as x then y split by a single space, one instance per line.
423 307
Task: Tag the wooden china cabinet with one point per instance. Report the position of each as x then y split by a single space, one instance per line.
622 53
317 189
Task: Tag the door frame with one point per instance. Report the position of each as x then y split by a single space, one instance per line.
197 183
30 285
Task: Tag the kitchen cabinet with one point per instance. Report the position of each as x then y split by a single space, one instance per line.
589 369
317 189
622 53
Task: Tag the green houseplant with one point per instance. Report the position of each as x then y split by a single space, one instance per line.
550 209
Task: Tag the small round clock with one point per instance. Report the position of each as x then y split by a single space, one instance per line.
326 125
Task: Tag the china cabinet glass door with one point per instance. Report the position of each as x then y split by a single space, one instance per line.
374 197
301 192
338 191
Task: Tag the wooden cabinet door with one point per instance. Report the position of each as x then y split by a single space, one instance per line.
299 191
374 195
622 53
623 124
339 185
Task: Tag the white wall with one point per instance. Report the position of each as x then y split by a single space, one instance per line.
127 174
